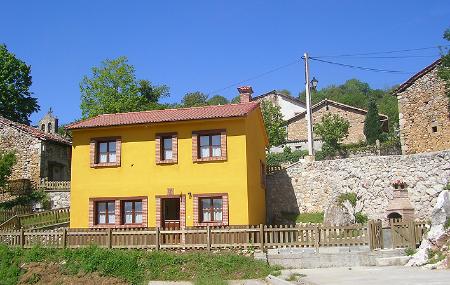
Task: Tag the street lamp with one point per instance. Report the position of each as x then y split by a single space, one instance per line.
314 83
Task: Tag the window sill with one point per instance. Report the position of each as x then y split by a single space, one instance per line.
213 158
105 164
168 161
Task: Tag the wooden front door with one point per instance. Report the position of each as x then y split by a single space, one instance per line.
170 213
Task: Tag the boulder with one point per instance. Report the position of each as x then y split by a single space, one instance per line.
437 236
337 215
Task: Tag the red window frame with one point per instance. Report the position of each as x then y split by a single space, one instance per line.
210 144
211 209
163 138
97 216
108 151
133 211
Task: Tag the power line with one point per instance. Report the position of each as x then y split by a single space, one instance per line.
361 67
383 52
254 77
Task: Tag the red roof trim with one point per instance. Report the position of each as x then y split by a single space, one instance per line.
167 115
35 132
418 75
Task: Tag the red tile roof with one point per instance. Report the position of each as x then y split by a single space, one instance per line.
35 132
167 115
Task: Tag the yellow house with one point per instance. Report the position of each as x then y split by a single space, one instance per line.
170 168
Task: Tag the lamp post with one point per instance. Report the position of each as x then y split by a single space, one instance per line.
308 83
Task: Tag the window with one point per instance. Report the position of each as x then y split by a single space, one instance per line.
105 212
107 152
49 128
209 146
132 212
166 148
211 209
434 129
43 128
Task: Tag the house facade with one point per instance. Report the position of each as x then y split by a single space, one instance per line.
297 131
424 112
170 168
289 106
39 154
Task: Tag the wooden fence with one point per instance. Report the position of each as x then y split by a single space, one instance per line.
406 233
54 185
209 238
37 220
17 210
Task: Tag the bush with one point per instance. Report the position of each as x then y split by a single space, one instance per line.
349 196
410 251
287 156
25 200
361 218
314 218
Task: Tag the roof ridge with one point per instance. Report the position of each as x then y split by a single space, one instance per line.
416 76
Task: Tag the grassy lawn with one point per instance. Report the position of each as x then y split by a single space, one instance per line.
134 266
315 218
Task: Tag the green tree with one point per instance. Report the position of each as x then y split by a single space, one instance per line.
217 100
357 93
7 161
332 129
372 126
285 92
444 68
16 102
236 100
194 99
274 123
113 88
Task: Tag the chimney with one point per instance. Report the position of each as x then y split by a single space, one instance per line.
245 93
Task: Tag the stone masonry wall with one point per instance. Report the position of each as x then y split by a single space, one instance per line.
422 106
55 158
298 130
312 186
28 151
59 199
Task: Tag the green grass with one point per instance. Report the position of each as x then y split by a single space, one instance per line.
315 218
136 267
410 251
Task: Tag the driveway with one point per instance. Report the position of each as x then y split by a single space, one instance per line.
391 275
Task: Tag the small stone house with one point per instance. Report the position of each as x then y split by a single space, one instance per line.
297 131
424 112
289 105
40 154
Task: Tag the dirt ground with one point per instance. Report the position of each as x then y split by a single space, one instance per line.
50 273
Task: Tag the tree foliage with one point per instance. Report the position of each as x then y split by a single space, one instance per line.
7 161
113 88
217 100
444 68
16 103
287 156
236 100
194 99
332 129
372 126
274 123
357 93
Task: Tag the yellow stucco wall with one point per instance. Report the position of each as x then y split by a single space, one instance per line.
139 175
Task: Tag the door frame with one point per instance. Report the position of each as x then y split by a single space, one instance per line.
159 209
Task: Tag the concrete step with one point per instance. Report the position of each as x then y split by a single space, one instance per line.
392 261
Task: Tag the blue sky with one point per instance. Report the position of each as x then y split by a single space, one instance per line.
208 45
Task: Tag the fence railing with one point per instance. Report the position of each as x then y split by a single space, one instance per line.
407 233
17 210
37 220
208 238
54 185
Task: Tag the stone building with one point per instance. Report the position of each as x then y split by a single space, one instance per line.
40 154
297 132
424 112
289 105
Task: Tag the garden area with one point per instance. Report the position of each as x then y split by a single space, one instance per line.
95 265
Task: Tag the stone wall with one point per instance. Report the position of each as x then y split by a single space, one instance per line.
424 115
297 130
28 153
59 199
312 186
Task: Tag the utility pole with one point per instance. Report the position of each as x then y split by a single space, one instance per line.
308 107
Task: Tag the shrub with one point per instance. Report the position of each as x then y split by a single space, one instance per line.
349 196
314 217
287 156
332 129
410 251
361 218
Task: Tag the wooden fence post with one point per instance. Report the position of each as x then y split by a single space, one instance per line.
208 238
370 234
64 238
261 236
317 238
412 234
22 238
157 238
109 238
